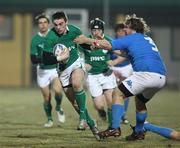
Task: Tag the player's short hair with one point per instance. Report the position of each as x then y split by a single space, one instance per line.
97 24
59 15
40 16
136 23
119 26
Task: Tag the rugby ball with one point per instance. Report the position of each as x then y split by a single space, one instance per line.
58 49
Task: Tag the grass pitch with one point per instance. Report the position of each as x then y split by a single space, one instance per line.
22 118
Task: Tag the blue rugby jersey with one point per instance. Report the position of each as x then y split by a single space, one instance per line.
142 53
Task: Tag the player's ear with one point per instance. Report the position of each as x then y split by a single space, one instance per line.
66 22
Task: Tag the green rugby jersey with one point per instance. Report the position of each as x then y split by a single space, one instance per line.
67 40
97 59
37 46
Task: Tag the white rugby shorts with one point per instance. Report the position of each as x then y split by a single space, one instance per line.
65 75
146 83
45 76
125 71
97 83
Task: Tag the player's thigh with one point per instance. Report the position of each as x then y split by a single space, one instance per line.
108 96
148 94
140 105
56 85
99 101
72 73
69 92
77 77
45 92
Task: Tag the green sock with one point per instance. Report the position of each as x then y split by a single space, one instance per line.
81 101
109 111
47 109
89 120
58 99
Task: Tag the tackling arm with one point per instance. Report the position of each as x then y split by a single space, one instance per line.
49 58
103 44
116 61
35 59
85 46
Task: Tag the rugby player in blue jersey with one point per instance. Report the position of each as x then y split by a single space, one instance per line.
121 66
149 74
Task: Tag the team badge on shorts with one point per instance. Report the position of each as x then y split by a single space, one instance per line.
129 83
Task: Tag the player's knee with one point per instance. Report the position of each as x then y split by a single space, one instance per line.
46 97
77 87
98 106
57 89
47 100
175 135
58 92
117 92
109 103
117 96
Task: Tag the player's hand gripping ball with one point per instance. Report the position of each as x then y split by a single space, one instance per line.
60 51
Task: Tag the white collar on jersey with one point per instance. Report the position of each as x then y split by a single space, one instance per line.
43 35
67 30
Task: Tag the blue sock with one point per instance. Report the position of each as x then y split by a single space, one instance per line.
117 112
163 131
140 119
126 104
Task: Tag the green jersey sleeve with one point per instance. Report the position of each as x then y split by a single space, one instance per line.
33 47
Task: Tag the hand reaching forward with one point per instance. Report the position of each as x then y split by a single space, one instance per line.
81 39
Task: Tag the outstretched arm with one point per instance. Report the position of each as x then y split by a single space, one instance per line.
116 61
104 44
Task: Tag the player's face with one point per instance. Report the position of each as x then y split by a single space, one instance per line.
43 25
128 30
97 33
120 33
60 25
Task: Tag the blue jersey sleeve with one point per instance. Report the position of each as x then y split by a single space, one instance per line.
120 43
142 53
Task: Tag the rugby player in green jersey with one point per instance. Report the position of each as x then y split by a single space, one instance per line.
46 74
100 79
71 71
